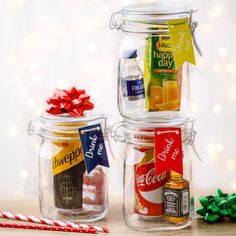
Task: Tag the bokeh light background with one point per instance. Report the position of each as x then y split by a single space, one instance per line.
58 43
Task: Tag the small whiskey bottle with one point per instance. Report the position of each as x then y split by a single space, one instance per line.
176 199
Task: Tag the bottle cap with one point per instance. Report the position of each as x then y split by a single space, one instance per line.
129 53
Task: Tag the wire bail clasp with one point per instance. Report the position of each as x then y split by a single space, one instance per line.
193 25
191 140
114 132
114 21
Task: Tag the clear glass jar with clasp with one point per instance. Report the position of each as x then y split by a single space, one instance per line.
149 83
66 190
155 202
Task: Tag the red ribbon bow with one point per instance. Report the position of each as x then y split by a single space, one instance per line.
71 101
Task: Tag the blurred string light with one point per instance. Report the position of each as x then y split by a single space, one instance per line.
232 92
219 147
231 68
51 46
231 164
217 68
33 67
105 9
201 62
16 78
107 69
89 25
52 27
217 109
99 24
216 11
206 27
30 102
215 147
44 18
232 96
37 146
24 174
11 59
61 84
14 4
13 131
95 64
38 111
23 64
222 52
32 40
37 79
92 47
194 107
23 91
96 94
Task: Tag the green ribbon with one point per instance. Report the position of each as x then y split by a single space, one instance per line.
215 208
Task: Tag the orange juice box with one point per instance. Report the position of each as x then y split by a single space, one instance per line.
162 80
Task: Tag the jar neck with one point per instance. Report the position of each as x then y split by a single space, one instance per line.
148 18
63 127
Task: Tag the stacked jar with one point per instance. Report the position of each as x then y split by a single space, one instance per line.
72 158
153 99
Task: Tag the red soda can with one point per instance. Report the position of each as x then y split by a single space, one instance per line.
148 187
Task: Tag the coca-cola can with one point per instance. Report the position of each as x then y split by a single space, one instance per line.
149 201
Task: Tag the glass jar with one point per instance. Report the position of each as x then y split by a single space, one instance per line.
66 190
153 202
149 83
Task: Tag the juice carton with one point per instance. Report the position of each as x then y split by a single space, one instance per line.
162 80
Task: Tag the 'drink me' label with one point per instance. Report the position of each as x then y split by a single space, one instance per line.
93 146
168 150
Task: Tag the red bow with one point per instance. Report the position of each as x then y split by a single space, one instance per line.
71 101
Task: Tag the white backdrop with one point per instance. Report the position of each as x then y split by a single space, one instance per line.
57 43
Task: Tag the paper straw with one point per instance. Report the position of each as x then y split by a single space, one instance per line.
46 227
46 221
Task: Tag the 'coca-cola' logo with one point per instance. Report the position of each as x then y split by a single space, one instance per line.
146 179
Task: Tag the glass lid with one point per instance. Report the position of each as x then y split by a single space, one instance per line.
133 131
159 8
67 119
137 18
63 127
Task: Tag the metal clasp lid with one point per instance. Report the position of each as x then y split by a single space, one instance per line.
116 23
191 139
193 25
118 136
113 21
114 132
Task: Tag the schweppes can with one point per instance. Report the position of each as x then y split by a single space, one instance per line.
68 168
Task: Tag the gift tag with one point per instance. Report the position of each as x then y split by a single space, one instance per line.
181 38
168 150
93 146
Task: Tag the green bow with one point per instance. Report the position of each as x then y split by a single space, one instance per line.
218 206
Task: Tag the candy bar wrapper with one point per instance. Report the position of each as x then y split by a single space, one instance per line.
162 80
